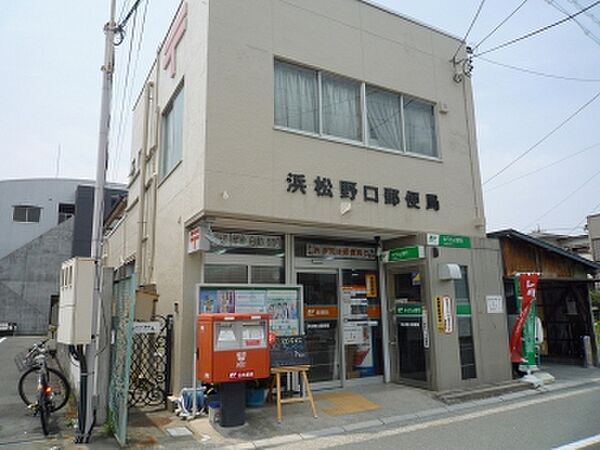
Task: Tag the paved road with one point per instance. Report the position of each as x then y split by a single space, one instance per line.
541 422
18 427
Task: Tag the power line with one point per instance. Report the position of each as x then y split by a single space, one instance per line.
580 187
539 30
587 32
554 130
541 74
500 24
585 218
572 155
469 29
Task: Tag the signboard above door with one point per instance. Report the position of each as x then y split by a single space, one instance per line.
448 240
403 254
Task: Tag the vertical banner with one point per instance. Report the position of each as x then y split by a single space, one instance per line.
522 339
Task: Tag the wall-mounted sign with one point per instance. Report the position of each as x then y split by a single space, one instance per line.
439 314
241 240
448 240
371 282
350 190
494 304
339 251
146 327
425 322
448 318
403 254
196 240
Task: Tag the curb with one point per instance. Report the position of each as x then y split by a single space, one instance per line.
400 419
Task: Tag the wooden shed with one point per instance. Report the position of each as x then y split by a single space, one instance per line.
563 299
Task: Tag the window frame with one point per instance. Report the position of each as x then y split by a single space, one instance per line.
163 174
364 127
27 209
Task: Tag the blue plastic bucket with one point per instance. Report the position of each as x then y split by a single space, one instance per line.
255 397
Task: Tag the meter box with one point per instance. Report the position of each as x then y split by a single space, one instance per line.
232 347
75 302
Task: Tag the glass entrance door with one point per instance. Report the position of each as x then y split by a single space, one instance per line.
409 325
321 324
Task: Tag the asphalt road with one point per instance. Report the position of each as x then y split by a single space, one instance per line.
547 421
18 427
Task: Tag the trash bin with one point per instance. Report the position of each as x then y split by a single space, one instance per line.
233 404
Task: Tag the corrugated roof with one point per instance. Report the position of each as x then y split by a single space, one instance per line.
510 233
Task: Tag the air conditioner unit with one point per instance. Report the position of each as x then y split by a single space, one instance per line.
76 300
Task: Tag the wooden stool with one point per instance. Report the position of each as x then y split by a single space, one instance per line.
306 393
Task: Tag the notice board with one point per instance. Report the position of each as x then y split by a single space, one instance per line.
283 302
289 351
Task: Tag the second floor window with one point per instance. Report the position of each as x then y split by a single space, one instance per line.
26 214
329 105
172 134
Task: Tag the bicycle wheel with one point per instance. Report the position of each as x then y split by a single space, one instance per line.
28 388
43 407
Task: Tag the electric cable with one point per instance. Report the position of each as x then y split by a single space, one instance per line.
500 24
543 139
594 209
587 32
469 29
541 74
572 155
538 31
567 197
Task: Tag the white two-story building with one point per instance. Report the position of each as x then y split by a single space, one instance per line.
329 144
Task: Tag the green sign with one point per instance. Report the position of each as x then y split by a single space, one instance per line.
528 340
448 240
404 253
463 309
409 310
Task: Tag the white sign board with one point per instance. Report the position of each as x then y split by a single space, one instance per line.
495 304
425 329
448 318
146 327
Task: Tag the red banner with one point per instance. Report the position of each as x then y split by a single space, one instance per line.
527 287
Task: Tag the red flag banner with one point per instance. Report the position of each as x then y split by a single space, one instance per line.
528 287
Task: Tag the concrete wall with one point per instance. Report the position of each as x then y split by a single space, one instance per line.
249 160
29 276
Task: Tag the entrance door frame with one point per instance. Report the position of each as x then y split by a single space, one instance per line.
391 270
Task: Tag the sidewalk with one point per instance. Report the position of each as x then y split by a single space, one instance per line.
339 411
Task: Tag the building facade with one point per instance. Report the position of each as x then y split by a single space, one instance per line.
43 222
329 145
593 226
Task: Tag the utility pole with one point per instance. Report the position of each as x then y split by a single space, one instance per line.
89 370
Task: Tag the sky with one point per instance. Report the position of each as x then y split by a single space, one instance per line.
52 52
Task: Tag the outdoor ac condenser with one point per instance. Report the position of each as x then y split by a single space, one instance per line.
75 304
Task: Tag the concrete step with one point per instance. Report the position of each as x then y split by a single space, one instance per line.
492 390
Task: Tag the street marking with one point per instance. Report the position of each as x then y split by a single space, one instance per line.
335 441
2 340
583 443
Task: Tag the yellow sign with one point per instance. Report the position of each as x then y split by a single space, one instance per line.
371 282
439 313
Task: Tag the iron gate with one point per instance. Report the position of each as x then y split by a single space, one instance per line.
150 375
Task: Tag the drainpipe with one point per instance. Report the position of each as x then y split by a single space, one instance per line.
139 263
385 332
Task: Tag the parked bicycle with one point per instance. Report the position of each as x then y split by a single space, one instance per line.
42 388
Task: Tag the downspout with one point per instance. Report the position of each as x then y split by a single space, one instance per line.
139 263
156 168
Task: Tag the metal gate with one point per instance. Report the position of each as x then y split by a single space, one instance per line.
121 343
150 376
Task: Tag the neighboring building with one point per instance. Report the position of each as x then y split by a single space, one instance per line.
593 227
291 142
579 244
43 222
563 301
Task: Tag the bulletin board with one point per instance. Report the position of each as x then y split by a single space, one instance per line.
284 302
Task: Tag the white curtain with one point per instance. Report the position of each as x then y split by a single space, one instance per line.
341 108
420 127
384 118
296 104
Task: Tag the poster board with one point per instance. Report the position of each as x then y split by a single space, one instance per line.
284 303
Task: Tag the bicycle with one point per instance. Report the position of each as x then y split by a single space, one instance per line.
43 389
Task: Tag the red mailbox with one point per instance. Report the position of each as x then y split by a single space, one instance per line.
232 347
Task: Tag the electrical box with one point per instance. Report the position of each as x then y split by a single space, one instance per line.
76 300
232 347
